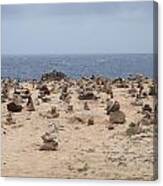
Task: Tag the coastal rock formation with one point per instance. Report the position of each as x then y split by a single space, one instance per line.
53 76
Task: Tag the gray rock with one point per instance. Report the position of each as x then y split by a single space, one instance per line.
117 117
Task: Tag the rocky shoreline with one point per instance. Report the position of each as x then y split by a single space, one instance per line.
92 127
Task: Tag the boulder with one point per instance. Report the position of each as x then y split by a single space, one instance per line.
117 117
50 146
87 95
13 107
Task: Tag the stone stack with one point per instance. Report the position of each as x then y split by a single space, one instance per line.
9 120
30 104
50 139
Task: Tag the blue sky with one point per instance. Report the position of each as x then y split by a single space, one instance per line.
80 28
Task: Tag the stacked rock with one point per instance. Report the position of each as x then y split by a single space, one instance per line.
64 92
90 121
113 109
133 91
53 113
9 120
30 105
86 107
70 108
50 139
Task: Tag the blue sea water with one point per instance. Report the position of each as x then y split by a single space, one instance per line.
112 65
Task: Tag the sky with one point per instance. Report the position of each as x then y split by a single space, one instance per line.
81 28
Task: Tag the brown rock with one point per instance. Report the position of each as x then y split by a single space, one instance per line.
90 121
30 105
50 146
117 117
13 107
112 106
86 107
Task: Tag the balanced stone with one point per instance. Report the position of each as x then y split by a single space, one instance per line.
86 107
30 105
50 139
112 106
90 121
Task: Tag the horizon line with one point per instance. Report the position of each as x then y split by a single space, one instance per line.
75 53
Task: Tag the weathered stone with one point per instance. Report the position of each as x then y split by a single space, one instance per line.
133 91
25 93
152 90
112 106
50 146
86 107
37 102
30 105
13 107
90 121
117 117
53 76
43 90
110 126
76 119
70 108
147 107
137 102
9 120
133 129
53 113
87 95
50 138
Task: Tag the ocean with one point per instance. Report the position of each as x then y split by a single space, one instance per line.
26 67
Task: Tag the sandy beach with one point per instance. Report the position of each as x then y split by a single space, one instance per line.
90 144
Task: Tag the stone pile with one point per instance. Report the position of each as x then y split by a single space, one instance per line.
30 104
9 119
50 139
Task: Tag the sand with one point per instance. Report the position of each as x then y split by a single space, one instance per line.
84 151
